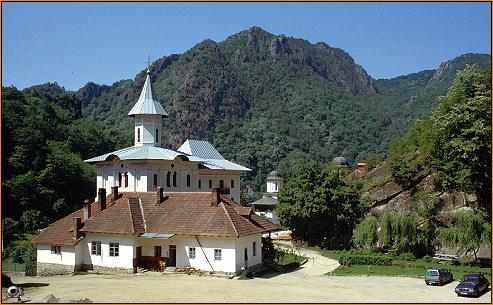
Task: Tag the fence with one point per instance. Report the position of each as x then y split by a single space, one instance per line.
10 266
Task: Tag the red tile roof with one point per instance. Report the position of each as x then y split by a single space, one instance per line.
182 213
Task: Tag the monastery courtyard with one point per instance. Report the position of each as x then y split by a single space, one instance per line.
308 284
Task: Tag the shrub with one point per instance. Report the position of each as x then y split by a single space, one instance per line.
349 259
427 258
407 256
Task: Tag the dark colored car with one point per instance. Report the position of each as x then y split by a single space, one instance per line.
472 284
438 276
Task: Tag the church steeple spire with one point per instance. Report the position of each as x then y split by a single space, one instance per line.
148 114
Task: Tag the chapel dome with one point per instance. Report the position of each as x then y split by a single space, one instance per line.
341 162
274 175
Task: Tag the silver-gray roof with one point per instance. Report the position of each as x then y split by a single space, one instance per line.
146 152
147 104
201 149
149 152
267 200
274 175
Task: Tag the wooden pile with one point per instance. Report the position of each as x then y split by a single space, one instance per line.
190 270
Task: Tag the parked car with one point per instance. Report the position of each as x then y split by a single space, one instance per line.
438 276
472 284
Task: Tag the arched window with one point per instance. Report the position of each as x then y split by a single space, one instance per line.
157 135
174 179
126 179
119 179
155 181
188 180
168 179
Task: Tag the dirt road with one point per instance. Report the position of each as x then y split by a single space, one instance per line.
304 285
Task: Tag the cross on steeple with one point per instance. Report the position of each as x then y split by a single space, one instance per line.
148 63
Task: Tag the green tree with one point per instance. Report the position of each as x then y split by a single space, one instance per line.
318 206
401 233
365 234
469 230
462 120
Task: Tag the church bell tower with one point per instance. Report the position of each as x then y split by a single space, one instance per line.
148 116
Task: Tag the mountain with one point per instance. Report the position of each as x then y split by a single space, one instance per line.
271 102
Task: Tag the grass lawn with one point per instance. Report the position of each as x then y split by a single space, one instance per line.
289 258
415 268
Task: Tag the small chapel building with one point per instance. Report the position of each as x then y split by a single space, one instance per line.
157 206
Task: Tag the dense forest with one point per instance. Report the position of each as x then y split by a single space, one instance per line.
265 101
442 156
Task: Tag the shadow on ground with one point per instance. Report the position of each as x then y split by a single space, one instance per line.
31 285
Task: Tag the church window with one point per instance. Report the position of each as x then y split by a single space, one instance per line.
126 179
157 135
138 135
154 183
188 180
232 184
119 179
168 179
174 179
200 184
221 184
210 183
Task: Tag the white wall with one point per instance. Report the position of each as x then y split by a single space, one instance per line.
148 125
227 246
141 177
66 257
247 242
126 250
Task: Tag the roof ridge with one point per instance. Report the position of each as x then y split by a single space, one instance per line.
229 217
131 214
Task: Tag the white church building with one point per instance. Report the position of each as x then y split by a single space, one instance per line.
157 206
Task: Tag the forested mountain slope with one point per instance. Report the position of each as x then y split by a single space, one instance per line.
271 102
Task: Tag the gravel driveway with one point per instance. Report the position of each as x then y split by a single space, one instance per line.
308 284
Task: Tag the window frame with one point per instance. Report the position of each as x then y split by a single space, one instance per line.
174 179
168 179
138 134
192 253
126 179
254 248
200 184
210 183
232 183
119 179
96 247
56 250
158 250
157 135
218 254
154 180
114 249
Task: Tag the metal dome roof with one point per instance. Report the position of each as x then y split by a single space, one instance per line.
341 161
274 175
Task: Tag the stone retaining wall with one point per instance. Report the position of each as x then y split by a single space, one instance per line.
45 269
112 270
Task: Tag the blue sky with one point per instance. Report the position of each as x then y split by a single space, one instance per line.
73 43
